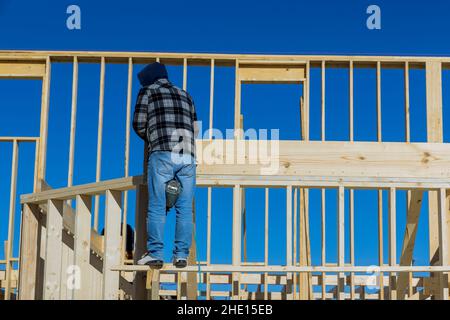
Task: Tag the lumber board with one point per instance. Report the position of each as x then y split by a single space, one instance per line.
95 188
112 244
324 159
24 70
29 253
409 238
203 58
284 269
82 245
271 73
433 75
53 250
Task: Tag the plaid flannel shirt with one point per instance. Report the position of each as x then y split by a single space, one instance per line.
165 117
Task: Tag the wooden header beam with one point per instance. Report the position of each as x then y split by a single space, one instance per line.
271 72
204 58
35 70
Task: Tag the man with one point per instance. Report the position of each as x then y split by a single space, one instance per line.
165 118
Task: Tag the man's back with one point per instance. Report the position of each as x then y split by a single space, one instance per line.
165 116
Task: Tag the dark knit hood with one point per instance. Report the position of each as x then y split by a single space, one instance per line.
151 73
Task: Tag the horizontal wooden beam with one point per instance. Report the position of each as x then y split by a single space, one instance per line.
11 260
95 188
122 57
219 181
245 63
280 279
206 180
22 70
309 164
262 269
271 73
19 139
323 159
273 295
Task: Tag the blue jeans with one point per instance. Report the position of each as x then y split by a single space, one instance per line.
161 169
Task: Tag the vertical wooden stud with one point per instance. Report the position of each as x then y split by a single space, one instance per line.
82 252
112 244
53 251
43 132
392 241
73 121
341 241
11 220
99 138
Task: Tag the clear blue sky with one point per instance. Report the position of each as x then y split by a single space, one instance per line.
297 27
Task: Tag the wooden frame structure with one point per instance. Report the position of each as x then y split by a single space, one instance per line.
52 230
9 277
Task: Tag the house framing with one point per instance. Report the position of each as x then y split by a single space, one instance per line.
60 227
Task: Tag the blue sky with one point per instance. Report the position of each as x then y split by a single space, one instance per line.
408 27
272 27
